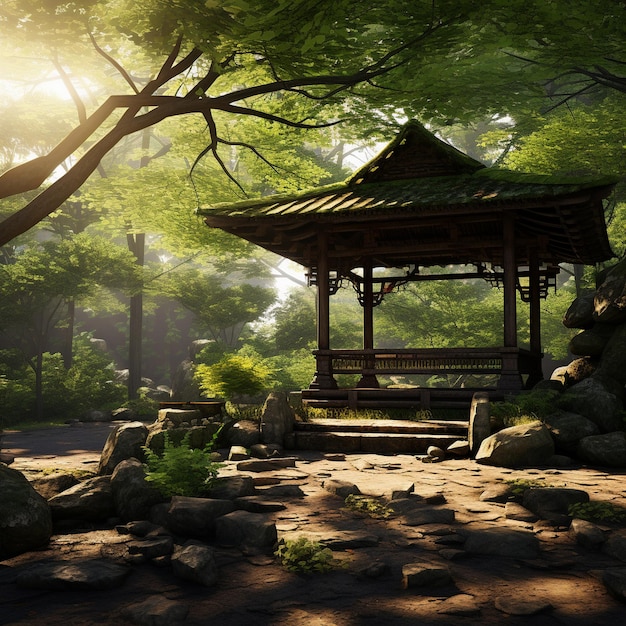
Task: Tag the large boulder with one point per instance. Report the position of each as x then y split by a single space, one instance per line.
243 433
196 517
606 450
592 399
25 519
568 429
277 419
133 495
580 312
124 442
593 341
613 362
517 446
575 371
610 296
91 500
245 529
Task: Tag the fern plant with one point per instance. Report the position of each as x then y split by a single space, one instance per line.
182 470
306 556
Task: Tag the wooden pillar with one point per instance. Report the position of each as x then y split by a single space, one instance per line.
323 378
510 377
368 377
510 280
368 306
534 319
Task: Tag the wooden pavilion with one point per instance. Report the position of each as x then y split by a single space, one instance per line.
421 203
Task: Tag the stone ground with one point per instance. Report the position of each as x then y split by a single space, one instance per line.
256 589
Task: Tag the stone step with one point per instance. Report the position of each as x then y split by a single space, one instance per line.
372 442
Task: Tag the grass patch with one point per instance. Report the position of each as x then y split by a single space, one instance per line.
368 505
519 485
35 425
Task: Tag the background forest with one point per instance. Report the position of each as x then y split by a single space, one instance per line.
118 119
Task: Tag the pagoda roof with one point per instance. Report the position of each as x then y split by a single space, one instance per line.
423 201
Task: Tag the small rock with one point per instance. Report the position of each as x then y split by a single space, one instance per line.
516 606
242 528
376 569
614 580
341 488
435 452
503 542
422 575
459 449
615 545
496 493
153 548
265 465
462 604
75 575
156 611
452 554
335 457
196 563
515 511
586 533
280 491
232 487
257 504
238 453
265 450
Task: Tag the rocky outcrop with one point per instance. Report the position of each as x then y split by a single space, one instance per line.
124 442
277 419
517 446
25 519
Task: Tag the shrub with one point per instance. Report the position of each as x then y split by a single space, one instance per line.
525 407
304 555
233 374
182 470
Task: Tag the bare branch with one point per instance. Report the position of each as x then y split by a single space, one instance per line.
125 75
80 107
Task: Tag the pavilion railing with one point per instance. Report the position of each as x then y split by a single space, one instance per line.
507 363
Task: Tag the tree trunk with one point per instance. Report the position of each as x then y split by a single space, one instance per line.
136 244
68 344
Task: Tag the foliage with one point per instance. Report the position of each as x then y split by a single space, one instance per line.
598 512
368 505
526 406
66 393
182 470
143 406
221 308
233 374
520 485
306 556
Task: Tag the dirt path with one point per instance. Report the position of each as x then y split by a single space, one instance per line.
255 589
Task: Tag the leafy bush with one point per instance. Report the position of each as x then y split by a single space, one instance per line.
304 555
526 407
182 470
598 512
67 393
233 374
87 384
143 406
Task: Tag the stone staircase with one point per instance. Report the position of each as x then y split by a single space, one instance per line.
377 436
